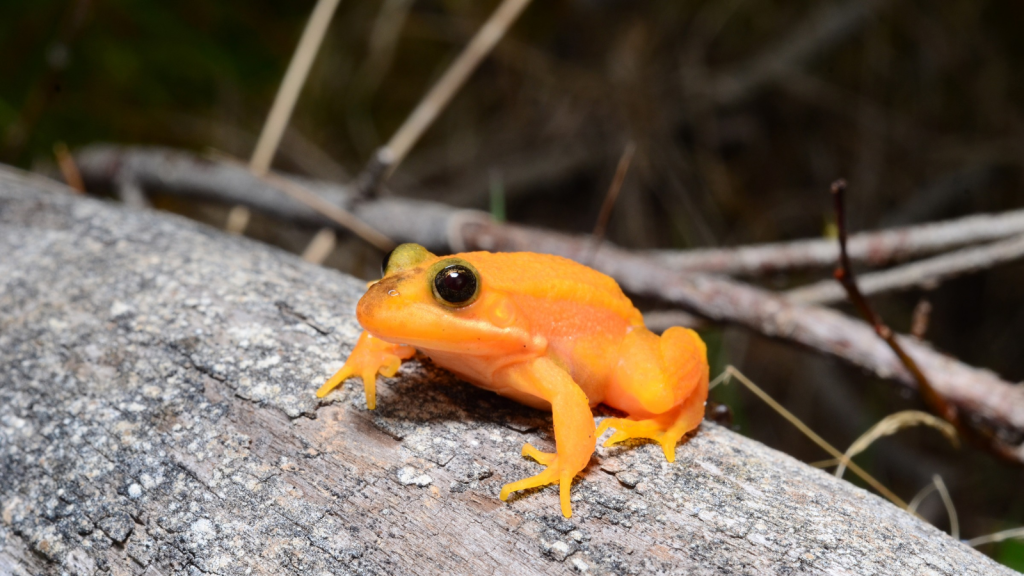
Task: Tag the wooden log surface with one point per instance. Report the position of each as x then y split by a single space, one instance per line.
158 416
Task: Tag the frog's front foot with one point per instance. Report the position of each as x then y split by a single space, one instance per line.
370 357
555 472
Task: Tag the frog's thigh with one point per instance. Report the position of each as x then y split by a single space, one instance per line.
662 383
657 374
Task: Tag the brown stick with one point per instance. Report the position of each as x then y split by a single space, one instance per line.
935 401
844 274
613 194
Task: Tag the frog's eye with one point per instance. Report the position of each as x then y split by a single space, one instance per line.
384 264
456 284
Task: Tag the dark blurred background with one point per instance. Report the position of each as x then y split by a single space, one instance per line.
743 112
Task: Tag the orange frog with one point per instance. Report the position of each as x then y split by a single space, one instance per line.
542 330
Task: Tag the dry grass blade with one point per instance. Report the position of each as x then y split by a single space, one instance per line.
391 155
920 496
732 372
284 102
997 537
343 217
937 485
237 220
294 79
824 463
947 501
892 424
68 168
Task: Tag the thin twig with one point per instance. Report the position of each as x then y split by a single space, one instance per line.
935 401
609 199
343 217
339 215
387 158
844 274
925 273
732 372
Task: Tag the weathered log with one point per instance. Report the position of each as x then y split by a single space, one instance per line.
157 416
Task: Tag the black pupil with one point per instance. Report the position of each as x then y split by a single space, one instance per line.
455 284
384 264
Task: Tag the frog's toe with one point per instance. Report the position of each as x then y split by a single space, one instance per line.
553 473
370 387
544 458
626 429
339 377
546 477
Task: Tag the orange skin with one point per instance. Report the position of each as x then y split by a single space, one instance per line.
546 332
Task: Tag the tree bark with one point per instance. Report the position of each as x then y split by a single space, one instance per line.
158 416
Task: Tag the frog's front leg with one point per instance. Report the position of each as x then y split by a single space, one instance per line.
370 356
574 425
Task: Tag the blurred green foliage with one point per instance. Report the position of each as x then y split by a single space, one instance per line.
1011 553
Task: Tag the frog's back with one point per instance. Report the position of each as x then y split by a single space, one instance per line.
559 280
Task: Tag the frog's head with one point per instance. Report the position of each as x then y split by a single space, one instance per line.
443 304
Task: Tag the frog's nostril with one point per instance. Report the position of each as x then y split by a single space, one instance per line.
393 293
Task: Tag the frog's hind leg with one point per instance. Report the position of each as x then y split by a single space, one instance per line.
663 384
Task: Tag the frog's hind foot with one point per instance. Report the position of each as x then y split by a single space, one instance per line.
665 429
626 429
555 472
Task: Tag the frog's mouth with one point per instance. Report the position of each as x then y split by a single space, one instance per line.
402 312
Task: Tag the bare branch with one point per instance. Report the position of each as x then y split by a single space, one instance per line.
923 274
874 248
